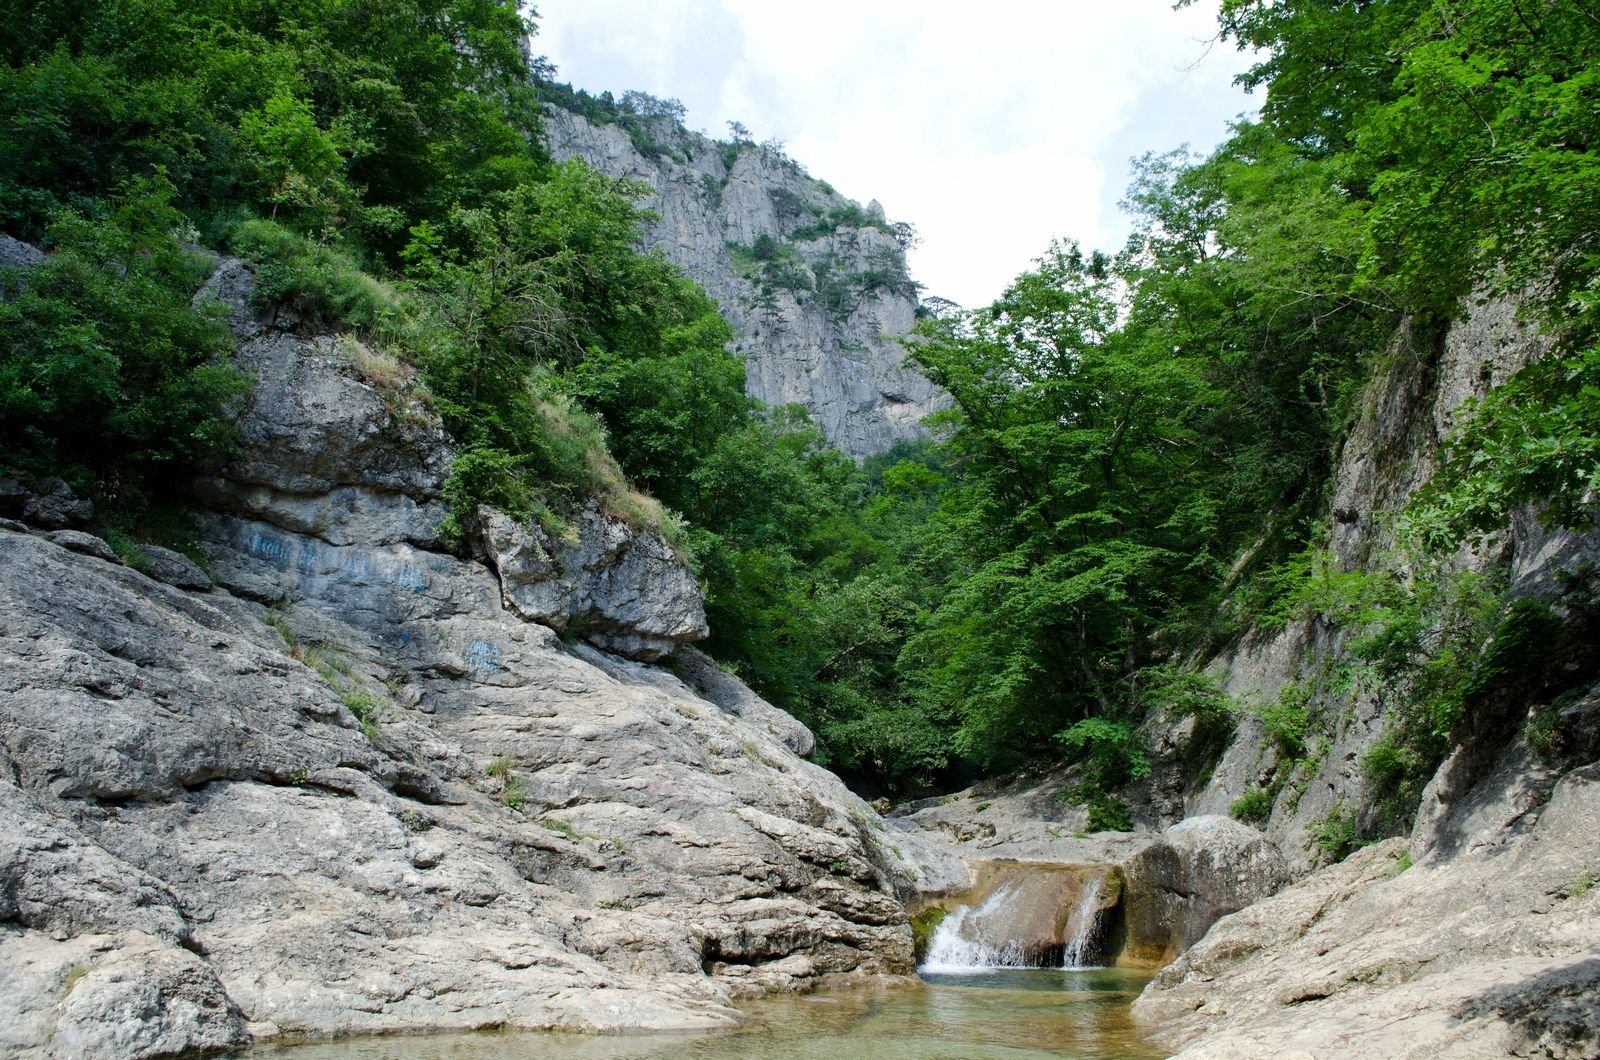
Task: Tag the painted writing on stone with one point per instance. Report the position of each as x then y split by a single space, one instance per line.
357 566
483 657
267 547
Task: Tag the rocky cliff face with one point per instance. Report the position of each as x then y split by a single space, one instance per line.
1474 935
1407 412
362 784
815 287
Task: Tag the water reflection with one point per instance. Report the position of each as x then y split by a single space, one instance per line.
1012 1013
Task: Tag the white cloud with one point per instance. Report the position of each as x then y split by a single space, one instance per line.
993 128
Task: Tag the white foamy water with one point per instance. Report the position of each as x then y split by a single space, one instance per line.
1087 917
972 939
982 938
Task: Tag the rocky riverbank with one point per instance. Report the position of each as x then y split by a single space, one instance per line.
352 782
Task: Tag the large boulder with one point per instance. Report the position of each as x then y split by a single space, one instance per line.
619 588
1200 870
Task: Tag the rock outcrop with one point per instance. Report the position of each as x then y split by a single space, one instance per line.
1162 890
1201 869
1474 935
1407 411
1494 952
361 783
816 307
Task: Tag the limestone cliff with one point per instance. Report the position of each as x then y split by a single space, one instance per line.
1474 934
350 781
1406 413
815 287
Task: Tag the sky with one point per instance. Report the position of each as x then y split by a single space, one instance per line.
992 127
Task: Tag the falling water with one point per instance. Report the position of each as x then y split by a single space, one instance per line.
986 937
1087 918
973 938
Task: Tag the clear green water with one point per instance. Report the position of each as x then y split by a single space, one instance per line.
1012 1014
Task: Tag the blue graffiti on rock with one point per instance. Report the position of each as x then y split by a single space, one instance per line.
483 657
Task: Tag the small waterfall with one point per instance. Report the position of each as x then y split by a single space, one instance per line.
974 938
1020 925
1087 926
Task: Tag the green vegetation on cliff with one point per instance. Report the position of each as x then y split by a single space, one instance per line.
1139 446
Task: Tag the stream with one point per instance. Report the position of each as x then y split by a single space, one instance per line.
984 993
1014 1013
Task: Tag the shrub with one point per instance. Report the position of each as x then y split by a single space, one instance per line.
1253 806
1285 720
321 285
1334 834
109 377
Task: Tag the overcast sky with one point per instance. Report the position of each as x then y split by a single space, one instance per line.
991 126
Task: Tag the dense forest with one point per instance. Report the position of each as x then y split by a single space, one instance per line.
1138 452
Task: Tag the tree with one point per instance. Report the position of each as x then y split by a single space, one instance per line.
1079 519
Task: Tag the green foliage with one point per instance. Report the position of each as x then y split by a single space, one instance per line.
1077 525
771 264
1285 720
923 926
848 215
1333 835
318 285
1252 807
107 376
1533 441
1177 694
373 115
1110 752
654 126
1106 813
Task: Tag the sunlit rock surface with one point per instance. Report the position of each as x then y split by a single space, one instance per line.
825 334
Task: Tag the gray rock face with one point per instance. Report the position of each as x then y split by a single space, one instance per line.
15 254
526 837
625 590
48 503
1407 412
729 693
88 544
1489 953
818 328
351 789
174 568
1201 869
345 459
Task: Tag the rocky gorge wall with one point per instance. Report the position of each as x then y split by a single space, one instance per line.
1474 934
349 781
1471 935
815 287
1406 413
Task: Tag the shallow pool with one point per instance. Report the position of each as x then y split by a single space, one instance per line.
1012 1013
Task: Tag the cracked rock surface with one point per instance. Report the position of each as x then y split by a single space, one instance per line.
353 787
